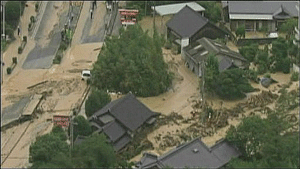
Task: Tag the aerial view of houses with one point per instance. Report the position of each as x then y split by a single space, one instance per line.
150 84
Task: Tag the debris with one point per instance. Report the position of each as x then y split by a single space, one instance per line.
37 84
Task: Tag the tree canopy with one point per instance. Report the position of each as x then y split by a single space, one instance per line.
212 10
228 84
133 62
46 148
280 55
94 152
249 51
13 9
49 151
96 100
240 31
289 26
82 127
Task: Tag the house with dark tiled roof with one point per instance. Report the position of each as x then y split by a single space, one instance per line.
256 15
121 119
194 154
196 54
187 25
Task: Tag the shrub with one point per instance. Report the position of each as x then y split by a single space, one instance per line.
262 68
57 59
14 59
240 31
295 76
63 46
25 38
29 26
32 19
36 6
267 75
168 45
251 74
20 50
9 70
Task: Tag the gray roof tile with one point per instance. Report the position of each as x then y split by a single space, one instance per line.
128 110
114 130
196 154
187 22
261 7
122 142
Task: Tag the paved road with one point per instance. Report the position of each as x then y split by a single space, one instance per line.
14 111
42 57
100 34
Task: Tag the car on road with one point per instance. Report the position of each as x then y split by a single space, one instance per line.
85 75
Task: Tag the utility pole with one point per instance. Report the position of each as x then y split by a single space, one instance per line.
3 37
202 90
72 132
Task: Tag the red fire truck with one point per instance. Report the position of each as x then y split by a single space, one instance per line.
128 17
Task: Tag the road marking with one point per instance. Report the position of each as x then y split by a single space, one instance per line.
39 21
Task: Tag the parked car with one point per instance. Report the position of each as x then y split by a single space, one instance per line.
85 75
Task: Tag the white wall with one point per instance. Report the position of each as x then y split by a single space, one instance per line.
184 42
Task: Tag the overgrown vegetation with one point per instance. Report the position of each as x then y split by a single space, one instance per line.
133 62
283 53
96 100
229 84
240 32
269 142
249 51
288 27
59 54
280 55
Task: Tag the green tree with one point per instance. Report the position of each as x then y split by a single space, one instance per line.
82 127
288 27
58 131
96 100
46 147
94 152
240 32
280 52
232 84
249 51
12 12
60 160
212 10
211 73
133 63
286 62
265 142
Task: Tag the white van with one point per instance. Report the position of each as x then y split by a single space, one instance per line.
85 75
